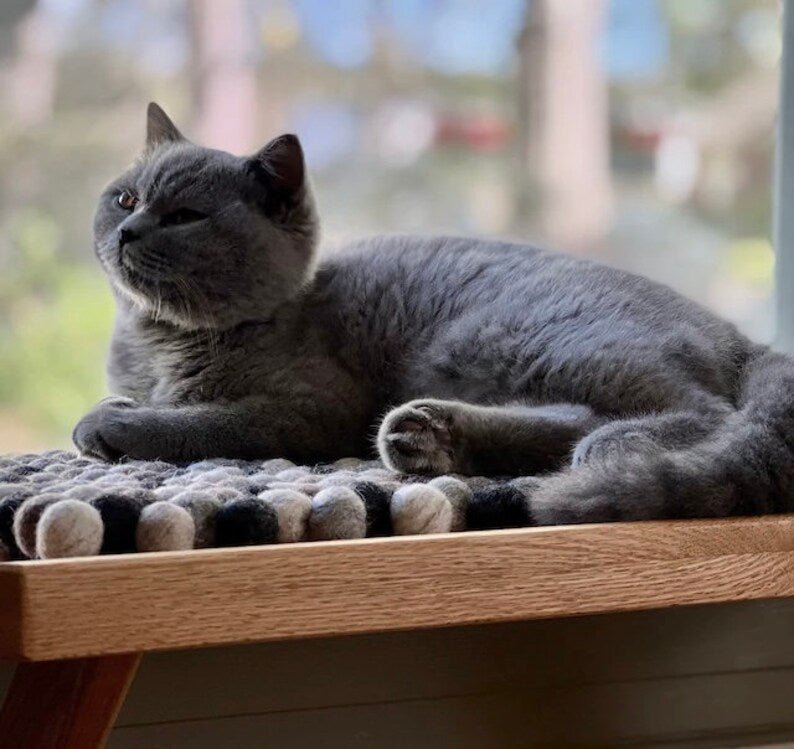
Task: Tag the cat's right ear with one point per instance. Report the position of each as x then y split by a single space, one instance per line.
159 128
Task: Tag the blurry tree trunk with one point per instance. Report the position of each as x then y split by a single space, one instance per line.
530 46
564 140
223 74
31 74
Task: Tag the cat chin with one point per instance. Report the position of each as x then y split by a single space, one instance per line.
156 312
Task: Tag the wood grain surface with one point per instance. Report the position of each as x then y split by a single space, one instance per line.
65 704
143 602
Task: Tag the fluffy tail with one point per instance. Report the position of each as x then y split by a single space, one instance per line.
745 468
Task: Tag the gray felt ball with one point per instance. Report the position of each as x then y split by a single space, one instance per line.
420 508
165 526
527 485
337 512
85 492
26 519
459 495
293 509
203 507
69 528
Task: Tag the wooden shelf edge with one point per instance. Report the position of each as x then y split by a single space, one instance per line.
141 602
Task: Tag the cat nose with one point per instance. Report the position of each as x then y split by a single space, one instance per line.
126 236
134 227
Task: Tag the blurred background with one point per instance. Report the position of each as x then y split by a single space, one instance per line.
638 132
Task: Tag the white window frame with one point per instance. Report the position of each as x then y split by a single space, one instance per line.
783 192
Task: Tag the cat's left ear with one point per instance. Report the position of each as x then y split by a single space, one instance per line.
280 164
159 128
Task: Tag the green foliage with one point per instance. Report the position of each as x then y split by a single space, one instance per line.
57 318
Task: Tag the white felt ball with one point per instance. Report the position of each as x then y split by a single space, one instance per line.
459 496
419 508
337 512
293 509
164 526
70 528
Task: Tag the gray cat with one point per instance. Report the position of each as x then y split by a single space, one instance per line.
450 354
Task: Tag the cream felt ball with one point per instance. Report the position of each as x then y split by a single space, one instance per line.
69 528
165 526
293 509
420 508
337 513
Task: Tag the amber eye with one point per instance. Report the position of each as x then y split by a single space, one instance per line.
127 200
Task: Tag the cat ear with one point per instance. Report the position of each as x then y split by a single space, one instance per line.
159 128
280 164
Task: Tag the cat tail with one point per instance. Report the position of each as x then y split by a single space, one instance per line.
746 467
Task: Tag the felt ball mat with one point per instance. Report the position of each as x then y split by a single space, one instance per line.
58 504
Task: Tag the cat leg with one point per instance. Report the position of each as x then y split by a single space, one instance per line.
118 428
439 436
646 435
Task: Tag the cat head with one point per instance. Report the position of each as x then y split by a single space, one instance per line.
200 238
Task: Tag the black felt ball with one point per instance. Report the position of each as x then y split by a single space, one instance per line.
246 522
497 507
8 507
377 502
120 517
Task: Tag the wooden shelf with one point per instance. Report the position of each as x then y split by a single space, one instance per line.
141 602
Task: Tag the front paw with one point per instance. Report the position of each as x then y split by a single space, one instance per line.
418 437
101 432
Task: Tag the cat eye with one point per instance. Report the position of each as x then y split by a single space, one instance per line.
182 216
127 200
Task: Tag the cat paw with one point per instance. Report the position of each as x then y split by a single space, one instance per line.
611 442
99 434
417 438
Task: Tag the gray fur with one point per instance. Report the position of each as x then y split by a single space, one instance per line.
485 357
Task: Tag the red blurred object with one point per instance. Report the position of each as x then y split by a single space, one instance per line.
484 132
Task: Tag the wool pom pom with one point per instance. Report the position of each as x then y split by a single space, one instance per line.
419 508
167 493
377 503
293 509
26 519
69 528
337 512
164 526
8 508
459 495
290 474
527 485
84 492
498 507
203 507
348 463
276 465
120 515
246 522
